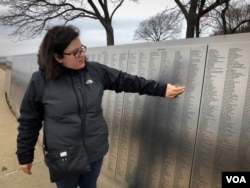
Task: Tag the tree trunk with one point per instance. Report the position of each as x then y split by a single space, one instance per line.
197 28
191 19
110 36
109 32
223 18
190 28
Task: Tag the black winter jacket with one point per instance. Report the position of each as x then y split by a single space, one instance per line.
71 102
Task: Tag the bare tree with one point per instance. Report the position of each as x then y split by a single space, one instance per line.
31 17
234 17
162 26
194 10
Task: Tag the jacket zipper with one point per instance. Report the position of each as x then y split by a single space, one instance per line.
80 111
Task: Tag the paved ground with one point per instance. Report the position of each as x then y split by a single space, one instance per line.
10 174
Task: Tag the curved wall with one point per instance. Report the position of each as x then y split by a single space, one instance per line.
183 142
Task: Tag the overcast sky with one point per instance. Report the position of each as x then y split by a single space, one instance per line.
125 22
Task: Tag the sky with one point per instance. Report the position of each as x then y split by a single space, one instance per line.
125 22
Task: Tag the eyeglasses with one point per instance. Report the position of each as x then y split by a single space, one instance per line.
77 53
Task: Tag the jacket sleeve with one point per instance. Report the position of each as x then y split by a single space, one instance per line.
30 120
122 81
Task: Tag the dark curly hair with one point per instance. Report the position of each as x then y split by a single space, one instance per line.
56 40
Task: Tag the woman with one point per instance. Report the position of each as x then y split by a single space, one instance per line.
65 96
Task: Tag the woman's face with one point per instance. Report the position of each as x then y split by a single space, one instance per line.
73 56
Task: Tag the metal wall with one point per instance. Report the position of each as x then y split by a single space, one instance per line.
178 143
19 70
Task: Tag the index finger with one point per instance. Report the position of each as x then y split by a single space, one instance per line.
179 88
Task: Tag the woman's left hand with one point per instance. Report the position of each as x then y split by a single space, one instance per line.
173 91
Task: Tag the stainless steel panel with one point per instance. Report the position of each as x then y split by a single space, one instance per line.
22 69
157 135
223 132
8 76
112 106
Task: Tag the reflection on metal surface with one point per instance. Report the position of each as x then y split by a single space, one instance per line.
157 135
178 143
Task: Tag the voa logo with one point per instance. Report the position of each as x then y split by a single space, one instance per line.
236 179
